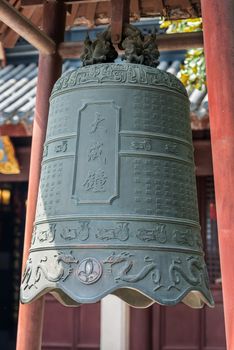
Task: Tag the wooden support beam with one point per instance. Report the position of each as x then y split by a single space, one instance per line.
165 42
16 4
31 2
158 6
119 16
10 36
72 15
219 53
135 9
31 316
90 14
180 41
69 2
25 28
19 130
37 16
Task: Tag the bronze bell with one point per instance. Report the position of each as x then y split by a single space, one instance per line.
117 208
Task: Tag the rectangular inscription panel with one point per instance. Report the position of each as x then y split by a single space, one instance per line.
96 162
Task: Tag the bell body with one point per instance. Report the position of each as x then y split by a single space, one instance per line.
117 209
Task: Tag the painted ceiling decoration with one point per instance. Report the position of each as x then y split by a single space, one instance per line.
8 162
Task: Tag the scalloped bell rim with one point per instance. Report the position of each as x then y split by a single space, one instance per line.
133 297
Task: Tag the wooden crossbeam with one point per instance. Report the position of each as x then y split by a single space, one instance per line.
165 42
31 2
16 4
180 41
119 16
40 2
10 36
25 28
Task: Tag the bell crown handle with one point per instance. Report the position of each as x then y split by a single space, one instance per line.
138 48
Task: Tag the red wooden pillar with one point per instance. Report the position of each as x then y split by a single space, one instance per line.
31 316
218 21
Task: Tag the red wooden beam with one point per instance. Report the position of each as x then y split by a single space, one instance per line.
10 36
90 13
31 316
179 41
219 52
31 2
135 9
119 16
40 2
164 41
18 130
25 28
